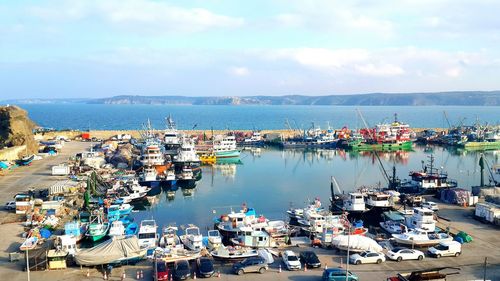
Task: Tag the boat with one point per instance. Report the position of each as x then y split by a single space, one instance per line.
483 138
233 253
214 239
354 202
254 140
379 200
26 160
116 229
147 234
118 251
314 137
387 136
97 228
298 213
75 229
134 192
229 224
208 158
225 147
393 222
171 248
131 229
422 218
171 137
356 243
428 179
421 238
254 239
192 239
169 238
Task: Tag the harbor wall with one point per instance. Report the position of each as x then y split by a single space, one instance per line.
12 153
106 134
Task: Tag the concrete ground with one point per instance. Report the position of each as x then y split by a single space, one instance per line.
486 242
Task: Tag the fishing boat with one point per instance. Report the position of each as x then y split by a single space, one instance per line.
116 229
192 239
214 239
354 202
208 158
75 229
394 136
378 200
254 140
147 234
225 147
429 179
169 238
26 160
314 137
393 222
235 253
171 137
229 224
421 238
422 218
97 228
254 239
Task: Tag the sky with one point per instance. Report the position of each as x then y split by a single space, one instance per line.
102 48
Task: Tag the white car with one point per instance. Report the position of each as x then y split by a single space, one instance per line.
11 205
399 254
291 260
431 205
367 257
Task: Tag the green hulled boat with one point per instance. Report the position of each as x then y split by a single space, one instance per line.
365 146
481 145
97 229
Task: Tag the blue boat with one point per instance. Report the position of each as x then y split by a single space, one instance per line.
75 229
132 229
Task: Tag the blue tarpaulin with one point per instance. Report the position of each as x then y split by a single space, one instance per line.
4 165
45 233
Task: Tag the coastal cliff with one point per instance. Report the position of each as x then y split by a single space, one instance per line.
16 129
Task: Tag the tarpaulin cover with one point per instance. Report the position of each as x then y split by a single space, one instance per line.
357 242
455 196
45 233
110 251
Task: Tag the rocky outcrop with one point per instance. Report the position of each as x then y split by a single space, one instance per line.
122 157
16 129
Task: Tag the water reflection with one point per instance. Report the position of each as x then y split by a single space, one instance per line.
270 179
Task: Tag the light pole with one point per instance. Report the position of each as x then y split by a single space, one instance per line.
348 246
27 264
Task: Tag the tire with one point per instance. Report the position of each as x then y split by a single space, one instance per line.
358 262
420 258
438 256
399 259
240 272
379 261
457 254
262 270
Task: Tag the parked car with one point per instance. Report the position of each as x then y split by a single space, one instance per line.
11 205
367 257
253 264
431 205
399 254
162 271
182 270
205 267
291 260
309 259
446 248
338 274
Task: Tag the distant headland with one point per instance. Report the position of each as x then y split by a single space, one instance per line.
457 98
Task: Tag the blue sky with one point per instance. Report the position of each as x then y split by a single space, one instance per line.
98 48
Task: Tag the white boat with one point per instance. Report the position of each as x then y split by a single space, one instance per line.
254 139
229 224
354 202
134 192
422 218
298 213
171 137
356 243
147 234
233 253
186 152
214 239
152 155
169 238
379 200
420 237
192 240
393 222
117 229
254 239
148 174
225 147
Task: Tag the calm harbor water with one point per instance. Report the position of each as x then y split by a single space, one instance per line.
272 179
124 117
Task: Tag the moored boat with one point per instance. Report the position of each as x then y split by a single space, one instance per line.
421 238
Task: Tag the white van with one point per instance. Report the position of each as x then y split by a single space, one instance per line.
446 248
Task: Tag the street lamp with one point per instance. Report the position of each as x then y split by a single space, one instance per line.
348 247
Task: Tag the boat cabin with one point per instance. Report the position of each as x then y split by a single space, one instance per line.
355 202
378 199
422 219
147 234
255 238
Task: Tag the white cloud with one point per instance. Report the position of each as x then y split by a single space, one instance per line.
453 72
380 70
143 16
239 71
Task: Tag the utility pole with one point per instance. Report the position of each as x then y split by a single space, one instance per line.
484 272
28 264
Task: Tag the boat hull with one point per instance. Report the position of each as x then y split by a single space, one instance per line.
227 154
482 145
360 146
